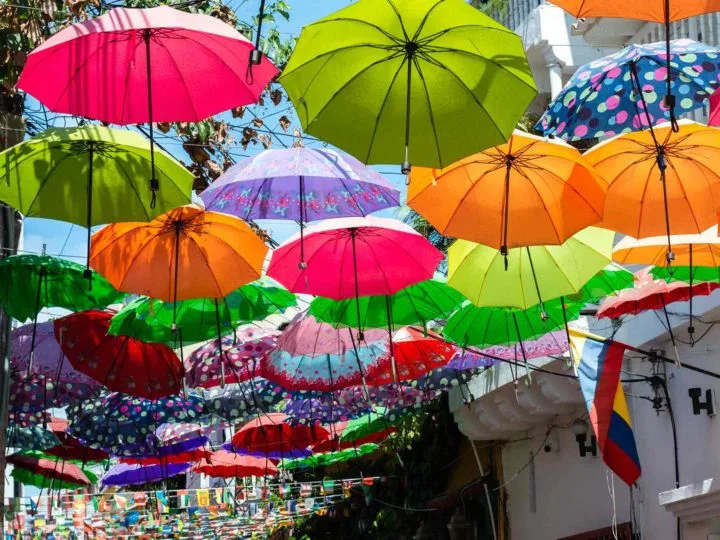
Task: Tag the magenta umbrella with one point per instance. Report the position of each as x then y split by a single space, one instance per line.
106 68
352 257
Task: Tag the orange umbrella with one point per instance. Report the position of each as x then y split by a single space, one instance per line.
530 191
660 182
182 254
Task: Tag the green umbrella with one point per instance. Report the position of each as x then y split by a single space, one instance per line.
417 304
34 282
29 478
330 458
486 326
687 274
432 80
609 280
366 425
201 319
533 274
91 175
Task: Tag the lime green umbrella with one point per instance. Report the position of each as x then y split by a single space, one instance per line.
432 80
533 274
330 458
91 175
486 326
151 320
31 283
417 304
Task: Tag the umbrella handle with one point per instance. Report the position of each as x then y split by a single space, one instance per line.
256 54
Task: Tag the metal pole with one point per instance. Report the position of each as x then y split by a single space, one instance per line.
487 489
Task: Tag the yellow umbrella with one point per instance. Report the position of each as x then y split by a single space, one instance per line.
660 181
528 192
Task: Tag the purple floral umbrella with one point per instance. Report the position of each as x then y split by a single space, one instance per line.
123 474
300 184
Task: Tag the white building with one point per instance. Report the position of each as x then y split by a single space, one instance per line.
550 491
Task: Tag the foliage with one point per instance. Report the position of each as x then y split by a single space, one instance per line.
494 8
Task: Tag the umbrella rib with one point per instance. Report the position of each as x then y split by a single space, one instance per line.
399 17
424 20
119 165
382 109
416 63
45 181
682 187
161 44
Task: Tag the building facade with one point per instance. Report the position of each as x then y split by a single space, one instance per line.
555 485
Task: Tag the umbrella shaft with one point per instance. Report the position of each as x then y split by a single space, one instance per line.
406 163
88 274
154 185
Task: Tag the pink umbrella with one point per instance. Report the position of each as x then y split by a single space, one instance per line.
714 118
107 68
352 257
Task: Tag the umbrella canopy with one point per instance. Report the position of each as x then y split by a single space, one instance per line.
414 353
552 343
52 469
535 274
48 359
300 184
316 356
651 294
197 65
37 393
43 481
151 320
68 447
224 464
121 424
417 74
240 402
365 425
178 432
334 444
486 326
30 438
622 92
417 304
124 474
270 433
324 460
325 409
682 202
121 363
646 11
354 257
529 191
233 359
182 254
174 454
35 282
99 174
689 249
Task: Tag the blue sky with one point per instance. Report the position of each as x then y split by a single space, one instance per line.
70 240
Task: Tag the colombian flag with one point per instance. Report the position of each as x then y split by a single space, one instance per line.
597 364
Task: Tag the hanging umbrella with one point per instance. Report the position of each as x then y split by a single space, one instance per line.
353 257
179 432
70 448
275 455
30 438
417 304
35 282
315 356
620 93
418 76
52 469
609 280
120 424
224 464
123 474
29 418
233 359
682 202
334 444
364 426
550 344
300 184
41 480
535 274
122 364
182 452
151 320
442 380
37 393
185 253
112 166
529 191
270 433
322 410
240 402
106 68
325 460
486 326
413 353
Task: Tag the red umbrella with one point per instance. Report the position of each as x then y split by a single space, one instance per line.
271 434
196 454
51 469
414 354
224 464
121 363
648 294
334 444
70 447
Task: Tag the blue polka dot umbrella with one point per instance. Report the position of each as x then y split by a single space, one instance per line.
623 92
